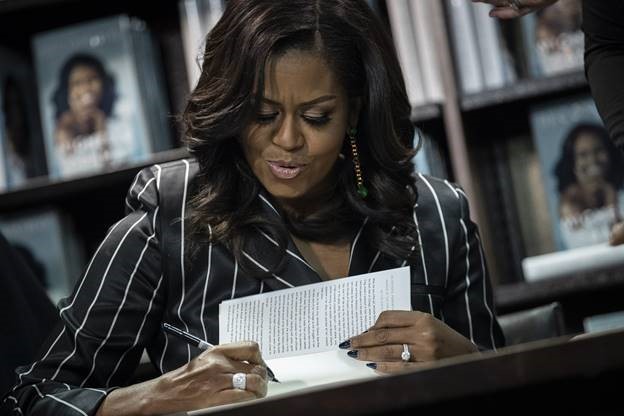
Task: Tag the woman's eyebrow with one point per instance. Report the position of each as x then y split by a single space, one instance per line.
317 100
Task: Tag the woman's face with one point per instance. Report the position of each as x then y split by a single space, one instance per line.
591 159
85 88
299 130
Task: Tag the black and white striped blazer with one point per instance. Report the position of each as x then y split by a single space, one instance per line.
138 278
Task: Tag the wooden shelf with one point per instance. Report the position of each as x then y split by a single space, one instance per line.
524 90
519 296
43 190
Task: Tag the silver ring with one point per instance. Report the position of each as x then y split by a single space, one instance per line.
514 4
239 381
405 355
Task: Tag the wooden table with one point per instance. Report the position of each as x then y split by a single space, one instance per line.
582 376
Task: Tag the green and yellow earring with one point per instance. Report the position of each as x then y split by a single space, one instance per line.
361 189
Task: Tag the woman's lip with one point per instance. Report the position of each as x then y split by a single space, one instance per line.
284 170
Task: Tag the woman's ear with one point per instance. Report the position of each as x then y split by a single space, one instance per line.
355 106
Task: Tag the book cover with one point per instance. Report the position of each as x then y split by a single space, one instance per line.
20 134
553 39
581 169
44 238
92 103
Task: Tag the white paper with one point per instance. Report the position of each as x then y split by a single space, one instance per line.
313 318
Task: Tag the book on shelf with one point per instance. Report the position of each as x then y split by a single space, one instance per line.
299 329
404 38
101 96
604 322
583 179
46 241
197 18
553 40
21 146
481 55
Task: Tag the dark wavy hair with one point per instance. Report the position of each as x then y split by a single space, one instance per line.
360 52
564 169
60 97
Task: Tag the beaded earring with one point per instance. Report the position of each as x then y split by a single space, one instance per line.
361 189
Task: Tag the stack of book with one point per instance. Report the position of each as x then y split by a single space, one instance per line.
101 96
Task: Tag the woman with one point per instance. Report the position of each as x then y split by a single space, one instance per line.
587 172
84 101
589 182
300 128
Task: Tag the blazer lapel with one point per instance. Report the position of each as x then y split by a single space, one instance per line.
296 270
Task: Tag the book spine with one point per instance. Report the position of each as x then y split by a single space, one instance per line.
423 18
468 66
488 38
404 41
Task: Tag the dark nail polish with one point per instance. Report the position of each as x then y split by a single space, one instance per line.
352 353
345 345
372 365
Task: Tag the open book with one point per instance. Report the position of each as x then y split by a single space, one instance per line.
299 329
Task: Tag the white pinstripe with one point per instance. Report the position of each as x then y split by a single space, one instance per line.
447 183
16 408
32 366
288 251
158 177
446 246
136 178
136 339
113 228
96 296
125 296
261 286
422 258
265 269
266 201
97 390
162 357
487 307
374 261
203 307
355 240
58 400
182 271
234 279
138 197
466 297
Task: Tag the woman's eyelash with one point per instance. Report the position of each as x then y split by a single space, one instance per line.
265 118
317 120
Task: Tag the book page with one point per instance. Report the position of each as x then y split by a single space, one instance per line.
316 317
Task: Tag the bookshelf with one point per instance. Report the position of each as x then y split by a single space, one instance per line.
470 125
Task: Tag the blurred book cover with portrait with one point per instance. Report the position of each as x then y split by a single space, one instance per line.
582 171
553 39
101 96
20 134
45 240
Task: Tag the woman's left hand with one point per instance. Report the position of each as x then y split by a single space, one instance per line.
427 339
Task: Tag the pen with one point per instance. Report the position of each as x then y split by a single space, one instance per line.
200 343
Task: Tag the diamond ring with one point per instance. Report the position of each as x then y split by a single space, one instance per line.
405 355
239 381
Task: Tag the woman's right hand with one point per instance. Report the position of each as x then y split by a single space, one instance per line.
205 381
